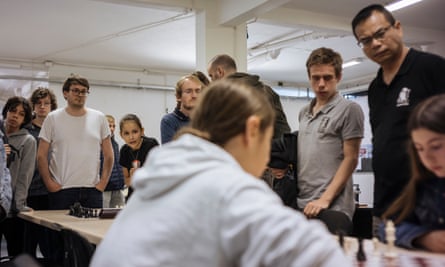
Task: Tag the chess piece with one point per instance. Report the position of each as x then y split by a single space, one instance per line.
390 232
375 244
361 256
341 239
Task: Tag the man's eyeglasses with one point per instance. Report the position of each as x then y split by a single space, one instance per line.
80 92
189 91
379 36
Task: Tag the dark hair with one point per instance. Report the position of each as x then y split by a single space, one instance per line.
43 92
429 114
251 80
202 77
366 12
224 61
12 104
75 79
130 117
225 106
325 56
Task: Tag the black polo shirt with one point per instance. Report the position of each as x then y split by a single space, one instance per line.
420 76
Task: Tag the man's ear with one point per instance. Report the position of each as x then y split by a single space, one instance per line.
220 72
142 131
398 27
339 77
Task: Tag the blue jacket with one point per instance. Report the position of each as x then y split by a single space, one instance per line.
171 123
37 186
428 214
116 181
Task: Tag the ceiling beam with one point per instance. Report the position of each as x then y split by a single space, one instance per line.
175 5
307 19
235 12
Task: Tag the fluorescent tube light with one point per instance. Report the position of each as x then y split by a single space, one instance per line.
352 62
401 4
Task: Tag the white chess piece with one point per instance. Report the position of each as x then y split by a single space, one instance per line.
390 232
375 245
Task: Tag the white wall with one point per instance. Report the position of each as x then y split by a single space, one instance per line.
292 107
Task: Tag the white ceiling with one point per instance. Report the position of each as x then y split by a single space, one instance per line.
136 34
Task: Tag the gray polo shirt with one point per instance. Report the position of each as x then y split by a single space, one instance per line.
320 149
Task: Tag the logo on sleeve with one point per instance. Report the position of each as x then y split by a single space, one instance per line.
403 99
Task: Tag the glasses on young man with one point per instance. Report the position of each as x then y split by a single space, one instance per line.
379 36
80 92
189 91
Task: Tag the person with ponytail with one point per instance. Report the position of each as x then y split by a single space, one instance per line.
198 200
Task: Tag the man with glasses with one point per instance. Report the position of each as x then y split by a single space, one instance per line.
406 76
68 156
187 90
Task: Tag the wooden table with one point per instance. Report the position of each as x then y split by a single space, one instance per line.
93 229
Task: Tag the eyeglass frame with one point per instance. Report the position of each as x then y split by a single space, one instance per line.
378 35
189 91
79 92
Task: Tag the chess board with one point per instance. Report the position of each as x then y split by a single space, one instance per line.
376 254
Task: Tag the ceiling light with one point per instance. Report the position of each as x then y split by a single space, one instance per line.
352 62
401 4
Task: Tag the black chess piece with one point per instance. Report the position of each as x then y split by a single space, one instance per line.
361 256
76 210
341 239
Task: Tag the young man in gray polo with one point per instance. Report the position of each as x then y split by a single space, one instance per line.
330 132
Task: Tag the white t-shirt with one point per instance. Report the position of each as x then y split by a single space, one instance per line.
75 145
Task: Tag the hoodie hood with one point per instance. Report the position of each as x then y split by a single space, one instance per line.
21 132
175 162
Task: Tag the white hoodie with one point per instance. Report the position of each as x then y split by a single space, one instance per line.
194 205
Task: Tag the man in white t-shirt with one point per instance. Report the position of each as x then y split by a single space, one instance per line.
68 156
